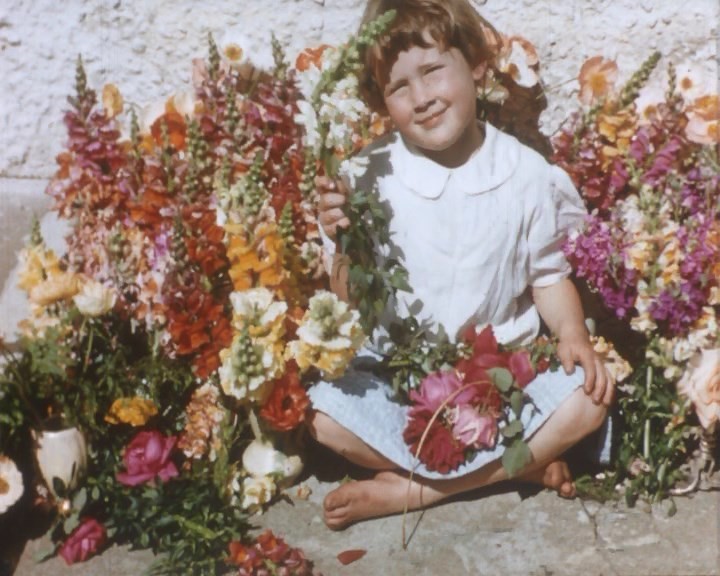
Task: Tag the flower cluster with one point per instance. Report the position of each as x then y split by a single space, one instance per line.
459 411
651 247
269 554
645 161
190 299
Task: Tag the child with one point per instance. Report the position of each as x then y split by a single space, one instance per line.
479 220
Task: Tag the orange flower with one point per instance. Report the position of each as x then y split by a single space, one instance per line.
597 78
285 407
259 263
310 57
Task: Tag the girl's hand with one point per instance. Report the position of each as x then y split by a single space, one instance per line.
598 385
333 196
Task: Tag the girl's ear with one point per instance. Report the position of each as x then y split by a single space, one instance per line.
479 71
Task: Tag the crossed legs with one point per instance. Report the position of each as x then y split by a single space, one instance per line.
387 492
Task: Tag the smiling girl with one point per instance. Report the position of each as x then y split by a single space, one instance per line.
479 220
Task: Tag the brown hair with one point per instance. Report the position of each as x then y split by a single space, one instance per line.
450 23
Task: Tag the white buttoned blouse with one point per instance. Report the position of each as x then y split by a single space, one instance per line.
476 237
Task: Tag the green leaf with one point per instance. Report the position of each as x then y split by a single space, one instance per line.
80 499
502 378
517 400
516 457
71 522
513 429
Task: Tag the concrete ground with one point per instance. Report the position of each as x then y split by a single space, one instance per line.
507 531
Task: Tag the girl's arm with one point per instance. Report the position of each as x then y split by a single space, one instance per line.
559 305
333 196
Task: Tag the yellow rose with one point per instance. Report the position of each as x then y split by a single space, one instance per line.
134 411
701 384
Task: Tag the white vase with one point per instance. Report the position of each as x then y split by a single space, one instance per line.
61 454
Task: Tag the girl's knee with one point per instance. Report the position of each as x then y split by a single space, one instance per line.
592 416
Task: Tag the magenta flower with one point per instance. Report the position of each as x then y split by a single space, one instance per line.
435 388
147 457
83 542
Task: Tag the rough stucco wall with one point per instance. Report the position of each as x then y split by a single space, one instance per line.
145 47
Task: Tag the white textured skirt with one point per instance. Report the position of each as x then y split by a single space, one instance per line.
361 401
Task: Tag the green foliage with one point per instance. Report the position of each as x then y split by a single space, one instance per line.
372 284
411 358
653 438
187 522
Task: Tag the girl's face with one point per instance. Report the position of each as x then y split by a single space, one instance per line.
430 96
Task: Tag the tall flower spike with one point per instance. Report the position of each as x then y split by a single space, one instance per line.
36 238
84 98
632 88
280 70
197 159
213 58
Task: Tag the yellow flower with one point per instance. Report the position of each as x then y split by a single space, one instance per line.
38 263
134 411
328 337
112 100
56 288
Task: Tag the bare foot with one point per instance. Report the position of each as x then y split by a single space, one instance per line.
556 476
384 494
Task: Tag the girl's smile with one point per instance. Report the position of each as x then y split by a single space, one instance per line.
430 96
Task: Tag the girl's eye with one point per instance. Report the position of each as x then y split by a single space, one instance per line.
433 69
394 88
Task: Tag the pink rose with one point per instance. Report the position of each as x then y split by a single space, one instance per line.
522 367
473 429
83 542
434 389
148 456
701 384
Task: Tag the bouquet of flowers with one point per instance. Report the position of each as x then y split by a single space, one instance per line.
188 310
646 163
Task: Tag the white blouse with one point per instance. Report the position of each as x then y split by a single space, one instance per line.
476 237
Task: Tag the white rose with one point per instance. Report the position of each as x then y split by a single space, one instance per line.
94 299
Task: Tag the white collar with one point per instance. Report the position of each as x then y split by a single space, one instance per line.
488 168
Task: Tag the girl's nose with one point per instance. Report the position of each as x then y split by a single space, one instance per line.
422 95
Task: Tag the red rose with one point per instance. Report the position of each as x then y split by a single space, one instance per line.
440 451
148 456
83 542
522 367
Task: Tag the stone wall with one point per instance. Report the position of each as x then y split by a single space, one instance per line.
145 47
